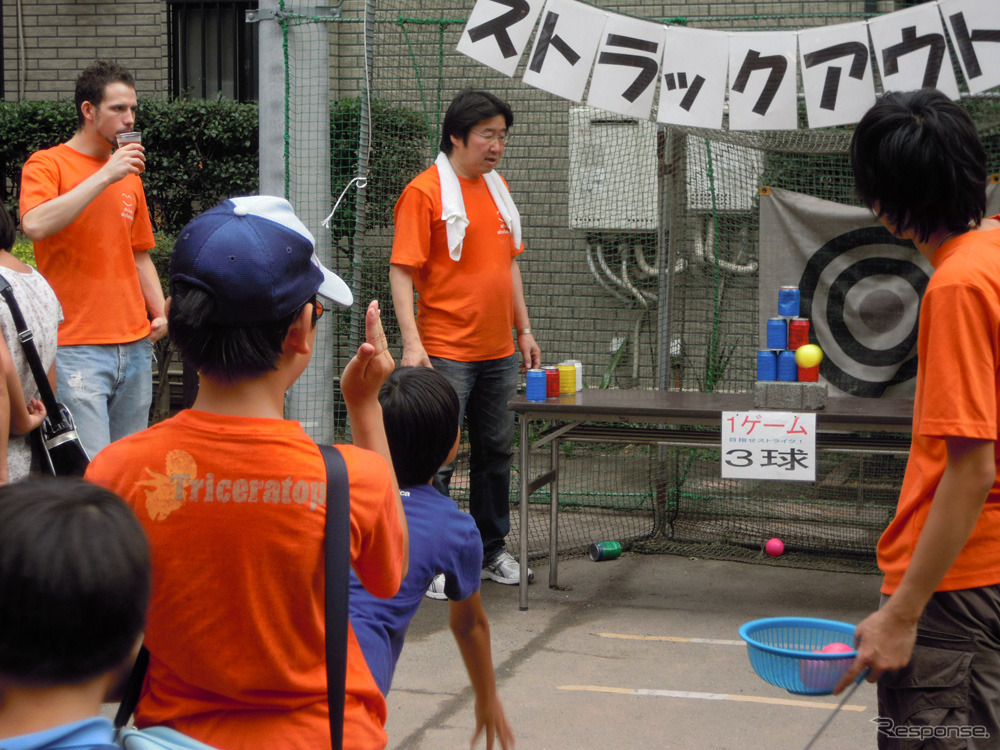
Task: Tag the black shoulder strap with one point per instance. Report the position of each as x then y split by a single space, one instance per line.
30 352
132 689
338 568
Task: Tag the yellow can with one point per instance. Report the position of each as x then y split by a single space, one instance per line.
567 379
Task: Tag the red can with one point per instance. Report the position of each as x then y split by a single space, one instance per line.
809 374
798 333
551 381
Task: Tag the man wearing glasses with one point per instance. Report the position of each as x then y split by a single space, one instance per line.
457 238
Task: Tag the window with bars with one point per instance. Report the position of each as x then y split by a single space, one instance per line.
212 50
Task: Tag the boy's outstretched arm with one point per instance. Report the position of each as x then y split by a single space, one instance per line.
360 384
472 633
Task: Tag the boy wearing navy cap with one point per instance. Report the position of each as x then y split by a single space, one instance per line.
232 495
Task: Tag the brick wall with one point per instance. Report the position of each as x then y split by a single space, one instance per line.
54 39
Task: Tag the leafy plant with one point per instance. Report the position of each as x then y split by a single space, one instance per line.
198 152
398 143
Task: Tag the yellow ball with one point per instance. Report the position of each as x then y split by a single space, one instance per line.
808 355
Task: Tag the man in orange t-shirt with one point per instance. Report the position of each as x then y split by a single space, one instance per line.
934 645
84 208
470 297
232 496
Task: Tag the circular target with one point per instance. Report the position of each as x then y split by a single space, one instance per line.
861 292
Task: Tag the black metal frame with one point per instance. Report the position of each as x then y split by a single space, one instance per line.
243 62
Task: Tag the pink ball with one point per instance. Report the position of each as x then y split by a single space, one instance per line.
835 648
823 676
774 547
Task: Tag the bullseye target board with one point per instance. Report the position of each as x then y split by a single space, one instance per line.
859 286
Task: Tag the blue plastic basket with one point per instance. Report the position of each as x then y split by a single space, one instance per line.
783 650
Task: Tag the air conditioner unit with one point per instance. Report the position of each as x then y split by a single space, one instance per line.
722 176
612 171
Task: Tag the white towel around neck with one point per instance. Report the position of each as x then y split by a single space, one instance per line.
453 205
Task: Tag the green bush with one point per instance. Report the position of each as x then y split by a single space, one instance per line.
198 153
398 142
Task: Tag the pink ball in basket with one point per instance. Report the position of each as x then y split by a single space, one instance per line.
824 675
774 547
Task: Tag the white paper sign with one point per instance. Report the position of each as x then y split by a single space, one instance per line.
769 445
693 77
498 31
975 36
762 87
911 51
565 47
627 66
836 74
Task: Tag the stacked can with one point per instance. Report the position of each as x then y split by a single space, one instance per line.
785 333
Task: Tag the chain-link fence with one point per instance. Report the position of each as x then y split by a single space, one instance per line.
641 261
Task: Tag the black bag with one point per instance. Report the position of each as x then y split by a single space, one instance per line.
56 441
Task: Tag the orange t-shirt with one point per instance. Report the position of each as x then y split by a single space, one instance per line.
465 308
958 379
234 511
90 264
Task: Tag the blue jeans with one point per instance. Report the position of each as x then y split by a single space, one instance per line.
108 389
484 388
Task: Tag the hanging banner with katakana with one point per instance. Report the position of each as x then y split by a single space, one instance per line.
975 35
762 87
498 31
836 74
693 77
565 47
628 64
911 51
769 445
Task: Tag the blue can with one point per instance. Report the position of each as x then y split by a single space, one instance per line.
777 333
788 370
788 301
767 365
535 385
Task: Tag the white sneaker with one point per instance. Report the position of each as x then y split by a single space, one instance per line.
436 589
504 569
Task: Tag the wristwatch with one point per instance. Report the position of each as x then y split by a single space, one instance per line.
521 331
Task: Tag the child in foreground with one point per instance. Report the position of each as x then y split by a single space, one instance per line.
74 586
420 411
233 496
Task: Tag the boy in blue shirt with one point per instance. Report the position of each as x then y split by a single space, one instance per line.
74 587
420 411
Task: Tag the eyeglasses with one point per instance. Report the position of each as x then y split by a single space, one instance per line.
502 138
318 310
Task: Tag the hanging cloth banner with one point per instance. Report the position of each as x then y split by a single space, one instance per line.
762 93
911 51
498 31
628 64
627 59
693 80
565 47
976 38
859 286
836 74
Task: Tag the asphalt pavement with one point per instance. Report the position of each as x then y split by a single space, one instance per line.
638 652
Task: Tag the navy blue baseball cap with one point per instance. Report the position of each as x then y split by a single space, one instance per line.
256 259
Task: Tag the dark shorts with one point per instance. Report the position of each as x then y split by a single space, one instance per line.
948 696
